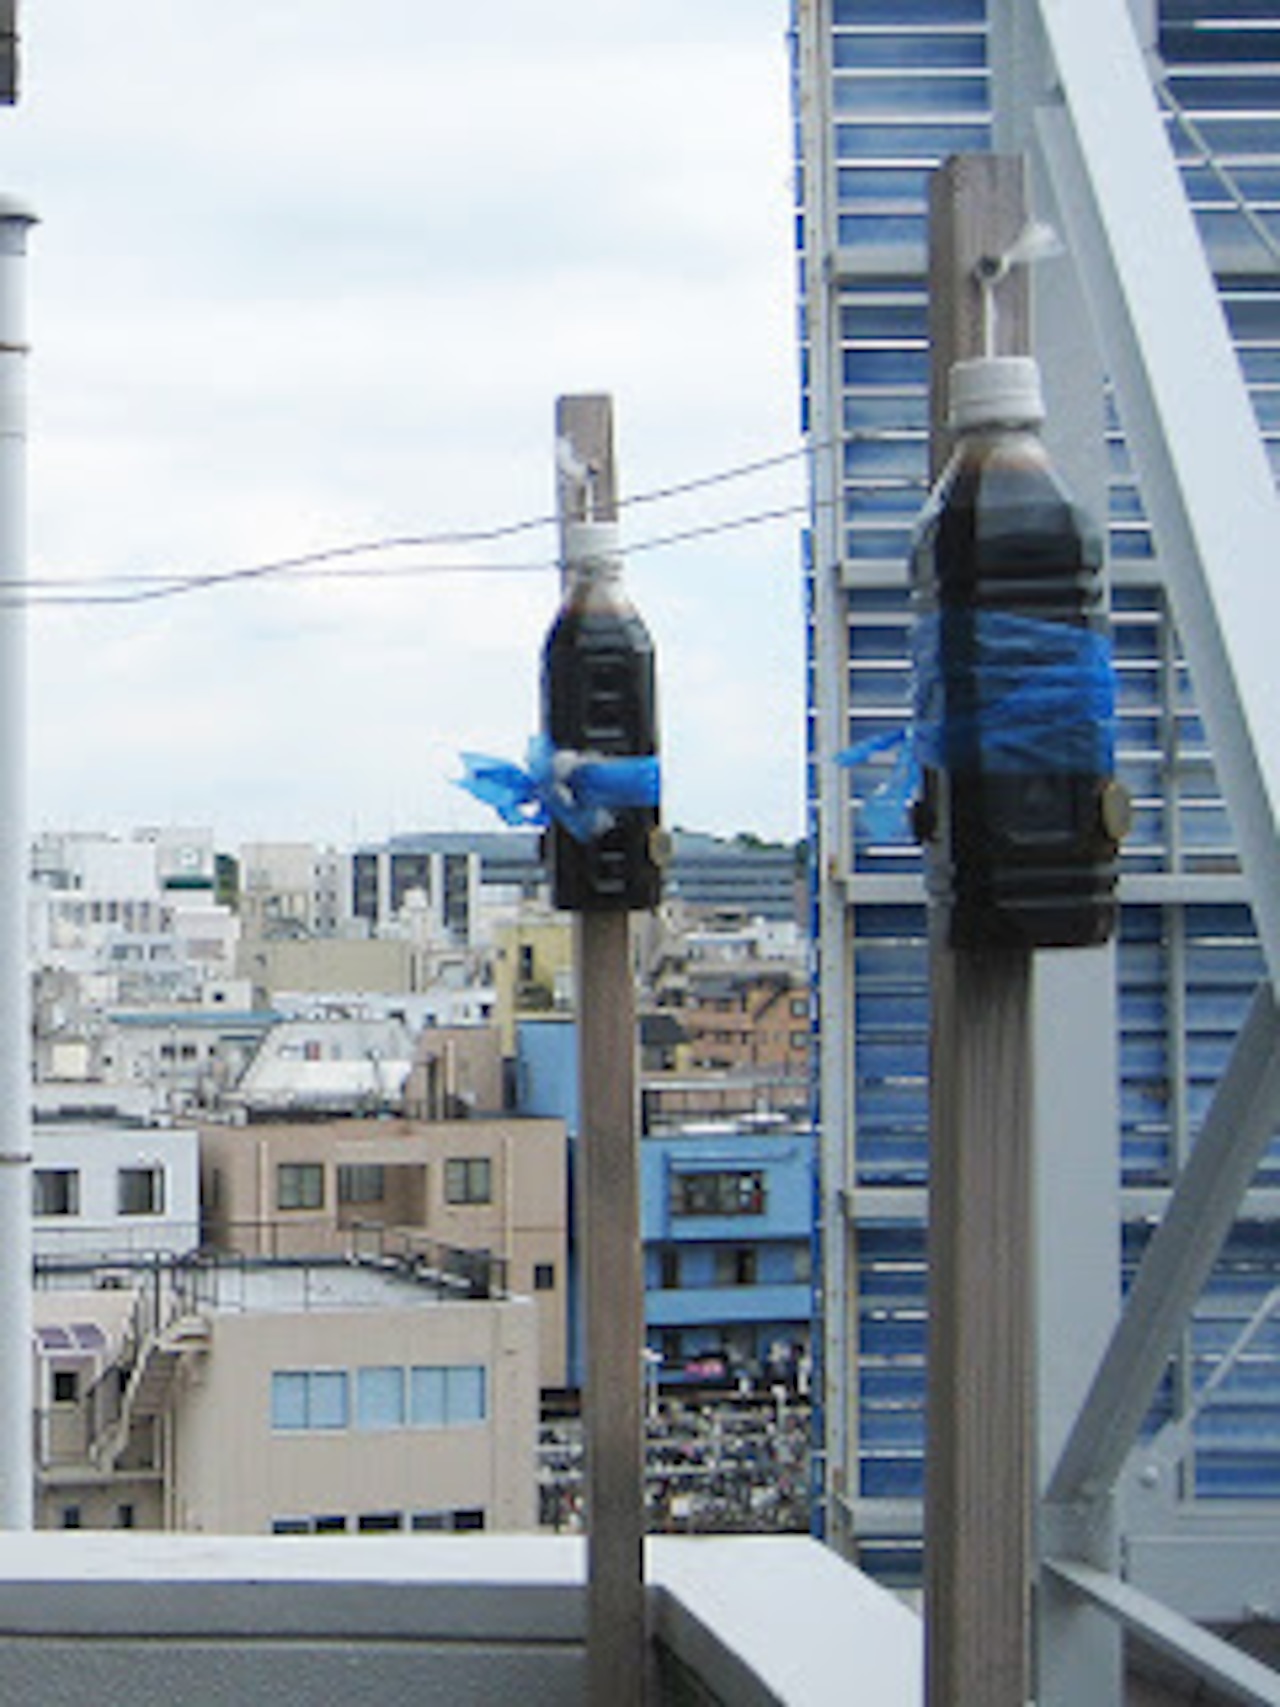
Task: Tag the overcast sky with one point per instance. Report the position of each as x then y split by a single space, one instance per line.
310 273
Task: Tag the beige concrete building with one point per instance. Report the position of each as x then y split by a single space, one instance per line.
495 1186
286 1398
532 968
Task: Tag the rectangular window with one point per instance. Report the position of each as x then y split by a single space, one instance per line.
300 1185
56 1191
544 1277
447 1396
669 1269
380 1398
140 1191
465 1517
362 1182
740 1191
468 1179
66 1386
736 1267
309 1399
379 1522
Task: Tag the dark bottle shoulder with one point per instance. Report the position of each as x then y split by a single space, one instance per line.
578 626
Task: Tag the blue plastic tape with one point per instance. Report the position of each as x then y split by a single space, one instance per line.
994 692
580 792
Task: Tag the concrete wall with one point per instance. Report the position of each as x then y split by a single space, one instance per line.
467 1620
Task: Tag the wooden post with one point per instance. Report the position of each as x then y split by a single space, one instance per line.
608 1201
980 1485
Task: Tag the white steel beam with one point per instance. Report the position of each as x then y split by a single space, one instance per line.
1209 1658
1205 480
1205 1202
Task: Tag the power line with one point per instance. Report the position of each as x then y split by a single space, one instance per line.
326 563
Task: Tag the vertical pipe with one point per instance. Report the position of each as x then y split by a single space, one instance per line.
16 1387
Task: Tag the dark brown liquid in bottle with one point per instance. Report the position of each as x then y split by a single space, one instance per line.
1013 857
598 697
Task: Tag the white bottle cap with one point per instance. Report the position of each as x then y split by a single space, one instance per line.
595 543
994 391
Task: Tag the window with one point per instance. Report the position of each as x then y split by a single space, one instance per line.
71 1517
544 1277
126 1516
669 1268
736 1267
361 1182
379 1522
140 1191
437 1395
56 1191
380 1398
466 1517
300 1185
739 1191
309 1399
447 1396
329 1525
468 1179
65 1389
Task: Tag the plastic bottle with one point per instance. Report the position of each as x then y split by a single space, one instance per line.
599 700
1020 814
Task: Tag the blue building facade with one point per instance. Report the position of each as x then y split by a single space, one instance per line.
886 90
728 1251
728 1230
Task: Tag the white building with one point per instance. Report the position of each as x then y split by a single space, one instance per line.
102 1190
338 1066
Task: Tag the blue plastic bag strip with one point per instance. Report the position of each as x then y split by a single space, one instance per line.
579 792
1041 698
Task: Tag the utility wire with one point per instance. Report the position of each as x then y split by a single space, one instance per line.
315 568
325 564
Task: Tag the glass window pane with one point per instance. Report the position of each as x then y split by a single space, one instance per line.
426 1397
289 1399
464 1395
380 1398
140 1191
328 1398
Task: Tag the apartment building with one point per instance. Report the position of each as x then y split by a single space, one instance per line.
494 1187
728 1253
318 1397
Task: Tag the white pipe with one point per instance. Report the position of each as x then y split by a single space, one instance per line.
16 1384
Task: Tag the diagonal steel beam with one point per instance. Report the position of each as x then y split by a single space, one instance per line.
1205 480
1236 1132
1238 1676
